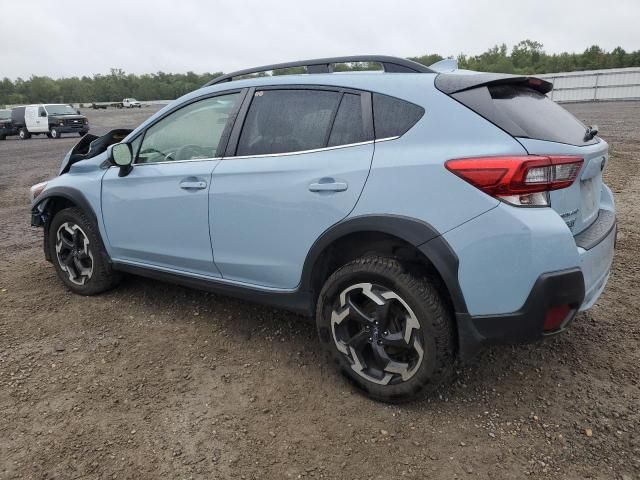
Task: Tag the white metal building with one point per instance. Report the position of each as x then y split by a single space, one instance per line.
590 85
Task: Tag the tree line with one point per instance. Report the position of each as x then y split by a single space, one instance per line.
526 57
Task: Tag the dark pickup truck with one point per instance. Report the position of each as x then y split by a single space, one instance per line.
7 127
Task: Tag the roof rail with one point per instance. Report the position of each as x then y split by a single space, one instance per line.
325 65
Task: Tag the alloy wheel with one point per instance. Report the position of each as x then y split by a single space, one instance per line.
378 333
74 256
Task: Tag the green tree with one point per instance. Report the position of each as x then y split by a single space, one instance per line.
526 56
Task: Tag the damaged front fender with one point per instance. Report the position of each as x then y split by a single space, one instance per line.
90 146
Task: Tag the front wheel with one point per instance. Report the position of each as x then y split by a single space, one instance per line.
388 330
54 133
78 253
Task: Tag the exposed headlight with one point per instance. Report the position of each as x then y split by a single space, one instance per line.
61 122
37 189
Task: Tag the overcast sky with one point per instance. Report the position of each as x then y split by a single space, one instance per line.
67 38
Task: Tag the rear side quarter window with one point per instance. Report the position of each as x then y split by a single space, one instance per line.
393 117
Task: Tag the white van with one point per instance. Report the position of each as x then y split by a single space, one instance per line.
50 119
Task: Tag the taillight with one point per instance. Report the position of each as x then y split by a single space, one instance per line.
519 180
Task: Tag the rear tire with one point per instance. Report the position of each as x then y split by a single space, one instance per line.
78 253
388 330
24 134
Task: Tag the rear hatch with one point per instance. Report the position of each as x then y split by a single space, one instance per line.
519 106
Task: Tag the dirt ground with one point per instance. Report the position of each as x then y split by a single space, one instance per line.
158 381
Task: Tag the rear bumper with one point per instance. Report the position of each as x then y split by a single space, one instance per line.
596 247
565 287
514 264
578 287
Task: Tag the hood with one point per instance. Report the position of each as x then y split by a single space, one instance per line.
69 117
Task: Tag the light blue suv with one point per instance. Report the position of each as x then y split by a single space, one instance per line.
418 214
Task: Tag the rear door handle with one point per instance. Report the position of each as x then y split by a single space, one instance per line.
193 184
330 186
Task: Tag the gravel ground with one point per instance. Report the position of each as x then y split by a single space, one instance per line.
158 381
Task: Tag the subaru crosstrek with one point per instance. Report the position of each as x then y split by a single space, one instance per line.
417 214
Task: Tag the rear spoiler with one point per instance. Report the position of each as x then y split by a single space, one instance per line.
457 82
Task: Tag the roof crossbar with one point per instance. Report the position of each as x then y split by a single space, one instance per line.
325 65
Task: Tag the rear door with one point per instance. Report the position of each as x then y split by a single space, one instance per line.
579 204
545 128
294 167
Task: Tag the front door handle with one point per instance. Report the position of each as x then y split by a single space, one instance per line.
193 184
330 185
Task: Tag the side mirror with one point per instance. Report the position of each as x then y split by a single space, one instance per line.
78 112
43 114
122 156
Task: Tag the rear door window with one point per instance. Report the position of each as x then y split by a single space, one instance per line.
393 117
282 121
348 126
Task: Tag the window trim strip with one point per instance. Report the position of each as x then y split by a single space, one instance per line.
284 154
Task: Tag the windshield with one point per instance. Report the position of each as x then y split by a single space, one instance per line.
60 110
5 114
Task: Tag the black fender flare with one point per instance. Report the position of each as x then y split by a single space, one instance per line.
39 212
420 234
68 193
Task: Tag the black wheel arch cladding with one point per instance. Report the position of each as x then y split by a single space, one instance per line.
41 208
420 234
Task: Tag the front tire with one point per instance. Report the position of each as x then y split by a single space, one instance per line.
388 330
78 253
54 133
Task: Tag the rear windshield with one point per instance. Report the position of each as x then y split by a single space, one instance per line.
537 116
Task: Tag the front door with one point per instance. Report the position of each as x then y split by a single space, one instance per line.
158 214
300 164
